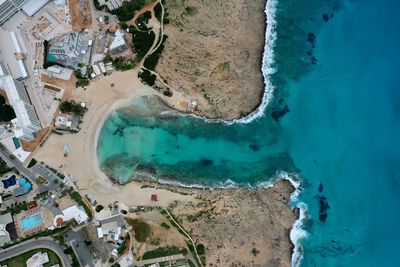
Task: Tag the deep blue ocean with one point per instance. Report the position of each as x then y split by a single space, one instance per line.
334 121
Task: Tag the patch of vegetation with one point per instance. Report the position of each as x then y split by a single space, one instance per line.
152 60
41 180
78 198
167 93
195 217
6 111
74 262
99 208
201 249
142 41
4 168
143 20
72 107
163 252
128 8
20 260
165 226
147 77
225 66
16 208
158 13
121 65
82 83
97 5
32 163
190 11
141 228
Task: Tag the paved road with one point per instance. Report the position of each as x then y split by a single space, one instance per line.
5 154
36 171
43 242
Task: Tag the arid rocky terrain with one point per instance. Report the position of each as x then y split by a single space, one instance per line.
213 54
239 227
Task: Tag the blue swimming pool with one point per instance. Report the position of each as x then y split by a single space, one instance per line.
32 221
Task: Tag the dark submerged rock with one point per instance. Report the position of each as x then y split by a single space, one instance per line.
325 17
311 38
254 147
320 187
323 208
207 162
279 112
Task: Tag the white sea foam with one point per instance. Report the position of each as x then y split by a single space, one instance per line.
267 70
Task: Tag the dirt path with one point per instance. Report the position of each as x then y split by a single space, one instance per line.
148 7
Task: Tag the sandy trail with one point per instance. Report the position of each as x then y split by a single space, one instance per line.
102 98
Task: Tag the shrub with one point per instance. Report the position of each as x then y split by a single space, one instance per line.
152 60
32 163
200 249
99 208
147 77
72 107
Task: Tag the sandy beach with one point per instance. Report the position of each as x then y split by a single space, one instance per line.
102 97
230 208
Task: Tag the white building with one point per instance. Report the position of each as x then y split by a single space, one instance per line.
26 123
118 44
13 54
37 260
74 212
33 6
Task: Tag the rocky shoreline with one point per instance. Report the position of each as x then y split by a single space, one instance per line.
238 226
210 61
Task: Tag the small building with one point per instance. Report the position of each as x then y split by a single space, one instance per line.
59 72
110 228
154 197
5 219
37 260
75 213
118 43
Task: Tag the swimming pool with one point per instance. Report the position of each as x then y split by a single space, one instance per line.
32 221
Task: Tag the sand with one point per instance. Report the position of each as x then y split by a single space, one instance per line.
102 98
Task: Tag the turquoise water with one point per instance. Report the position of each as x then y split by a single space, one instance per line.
32 221
51 58
337 73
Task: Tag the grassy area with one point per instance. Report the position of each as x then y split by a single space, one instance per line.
162 252
20 260
190 11
141 228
